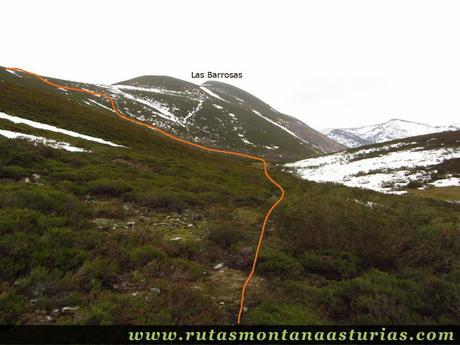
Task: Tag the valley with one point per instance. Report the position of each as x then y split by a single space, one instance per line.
136 228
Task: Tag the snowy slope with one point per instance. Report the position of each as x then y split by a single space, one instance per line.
39 125
390 130
62 145
213 114
387 168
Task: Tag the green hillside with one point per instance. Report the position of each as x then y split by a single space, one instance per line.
160 233
198 114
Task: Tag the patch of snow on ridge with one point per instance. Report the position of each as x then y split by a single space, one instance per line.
194 111
144 89
245 140
209 92
160 108
42 140
101 105
14 73
277 124
217 106
385 173
34 124
447 182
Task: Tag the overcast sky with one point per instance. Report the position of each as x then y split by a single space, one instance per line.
329 63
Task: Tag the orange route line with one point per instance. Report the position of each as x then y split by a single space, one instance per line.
201 147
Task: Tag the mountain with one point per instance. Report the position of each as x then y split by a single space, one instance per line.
390 130
213 114
104 221
431 160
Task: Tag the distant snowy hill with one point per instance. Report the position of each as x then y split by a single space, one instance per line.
390 130
416 162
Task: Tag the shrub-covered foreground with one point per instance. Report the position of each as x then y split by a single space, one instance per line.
161 234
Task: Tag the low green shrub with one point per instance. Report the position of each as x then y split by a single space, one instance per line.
109 187
226 234
13 171
332 264
277 313
12 306
157 199
142 255
274 262
184 248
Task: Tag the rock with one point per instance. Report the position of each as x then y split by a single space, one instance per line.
222 303
27 180
69 310
126 207
36 177
190 225
155 291
103 223
55 312
130 225
176 238
219 266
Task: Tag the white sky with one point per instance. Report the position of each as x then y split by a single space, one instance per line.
329 63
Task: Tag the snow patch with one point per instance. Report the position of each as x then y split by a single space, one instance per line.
194 111
14 73
385 173
209 92
277 124
447 182
160 108
42 140
34 124
101 105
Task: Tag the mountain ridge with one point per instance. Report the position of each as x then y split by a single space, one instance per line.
385 131
207 114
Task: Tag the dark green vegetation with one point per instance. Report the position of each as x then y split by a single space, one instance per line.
133 235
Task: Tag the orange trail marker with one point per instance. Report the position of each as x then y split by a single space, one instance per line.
198 146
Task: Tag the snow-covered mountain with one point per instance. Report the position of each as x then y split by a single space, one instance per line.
422 161
214 114
390 130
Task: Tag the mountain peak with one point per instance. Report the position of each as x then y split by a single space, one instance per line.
390 130
159 81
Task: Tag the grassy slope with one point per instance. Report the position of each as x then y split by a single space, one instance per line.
211 126
67 238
